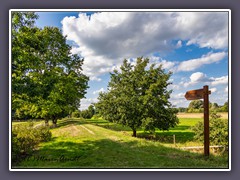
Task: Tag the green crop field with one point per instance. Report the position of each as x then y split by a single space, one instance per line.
78 143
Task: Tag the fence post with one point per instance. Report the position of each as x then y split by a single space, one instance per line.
174 140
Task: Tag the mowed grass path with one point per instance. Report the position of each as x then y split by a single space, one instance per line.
97 144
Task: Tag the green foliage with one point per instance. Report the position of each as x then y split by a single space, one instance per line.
192 110
26 138
223 108
182 109
218 130
76 114
88 113
138 97
195 106
47 80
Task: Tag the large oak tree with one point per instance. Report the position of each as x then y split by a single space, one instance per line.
138 97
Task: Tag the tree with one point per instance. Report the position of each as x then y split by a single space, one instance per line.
224 108
213 107
88 113
138 97
91 110
23 38
47 79
195 106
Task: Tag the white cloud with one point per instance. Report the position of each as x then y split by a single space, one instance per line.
213 90
191 65
85 103
179 44
195 78
226 89
220 80
98 91
165 64
199 77
178 96
106 38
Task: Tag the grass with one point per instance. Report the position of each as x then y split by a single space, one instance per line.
93 143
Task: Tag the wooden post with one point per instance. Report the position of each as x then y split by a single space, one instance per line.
202 94
174 140
206 120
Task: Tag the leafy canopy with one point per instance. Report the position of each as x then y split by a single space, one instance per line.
138 97
47 80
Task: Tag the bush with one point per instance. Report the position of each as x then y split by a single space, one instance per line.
218 130
26 138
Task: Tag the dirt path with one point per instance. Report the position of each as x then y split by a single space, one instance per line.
87 129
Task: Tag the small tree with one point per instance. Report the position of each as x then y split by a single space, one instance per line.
138 97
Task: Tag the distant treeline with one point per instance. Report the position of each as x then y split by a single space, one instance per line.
196 106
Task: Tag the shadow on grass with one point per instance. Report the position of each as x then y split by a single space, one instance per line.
107 153
167 137
67 122
180 128
109 125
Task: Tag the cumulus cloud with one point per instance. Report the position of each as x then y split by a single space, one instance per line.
165 64
98 91
105 39
213 90
178 96
179 44
226 89
85 103
195 78
220 80
190 65
199 77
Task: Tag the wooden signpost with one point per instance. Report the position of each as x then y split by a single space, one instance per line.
202 94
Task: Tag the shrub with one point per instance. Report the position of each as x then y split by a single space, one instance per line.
218 130
43 133
26 138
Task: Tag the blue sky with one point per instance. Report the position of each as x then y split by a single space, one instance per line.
193 45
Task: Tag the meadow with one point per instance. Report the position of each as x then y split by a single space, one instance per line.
97 143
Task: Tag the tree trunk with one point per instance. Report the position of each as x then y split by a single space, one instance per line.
54 123
134 133
46 122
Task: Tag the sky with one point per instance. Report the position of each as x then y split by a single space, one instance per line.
192 45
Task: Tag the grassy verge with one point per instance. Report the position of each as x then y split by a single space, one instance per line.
99 144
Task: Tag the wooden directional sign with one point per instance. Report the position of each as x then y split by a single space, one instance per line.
202 94
194 94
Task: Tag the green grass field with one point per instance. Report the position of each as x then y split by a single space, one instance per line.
93 143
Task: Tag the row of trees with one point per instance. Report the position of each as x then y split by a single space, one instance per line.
196 106
47 79
87 113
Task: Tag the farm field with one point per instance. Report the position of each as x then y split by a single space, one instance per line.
96 143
